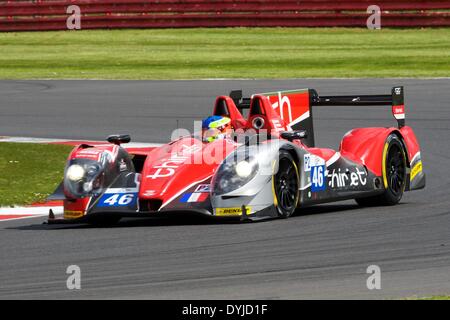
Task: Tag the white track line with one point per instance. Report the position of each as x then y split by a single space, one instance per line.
49 140
30 140
30 212
17 211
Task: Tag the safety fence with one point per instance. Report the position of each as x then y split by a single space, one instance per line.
97 14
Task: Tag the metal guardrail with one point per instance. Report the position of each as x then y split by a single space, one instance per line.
97 14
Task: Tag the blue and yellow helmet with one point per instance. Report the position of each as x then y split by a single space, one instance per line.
215 127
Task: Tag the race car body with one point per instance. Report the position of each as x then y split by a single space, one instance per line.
267 168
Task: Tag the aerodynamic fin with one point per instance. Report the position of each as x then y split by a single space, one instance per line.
58 194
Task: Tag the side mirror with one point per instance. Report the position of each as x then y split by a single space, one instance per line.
119 138
294 135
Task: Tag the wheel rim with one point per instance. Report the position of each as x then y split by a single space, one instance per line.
396 173
286 186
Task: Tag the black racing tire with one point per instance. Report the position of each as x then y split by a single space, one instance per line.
285 185
104 220
394 175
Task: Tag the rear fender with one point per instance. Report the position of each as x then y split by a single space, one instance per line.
365 145
416 175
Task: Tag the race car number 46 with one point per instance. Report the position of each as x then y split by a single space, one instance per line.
117 200
317 178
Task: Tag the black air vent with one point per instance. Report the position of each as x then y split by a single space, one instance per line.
150 205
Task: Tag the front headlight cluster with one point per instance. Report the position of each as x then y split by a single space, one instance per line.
75 172
82 178
232 175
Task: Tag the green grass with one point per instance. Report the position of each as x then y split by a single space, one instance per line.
225 53
30 172
436 298
430 298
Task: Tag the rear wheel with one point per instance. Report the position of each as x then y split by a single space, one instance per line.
394 175
286 185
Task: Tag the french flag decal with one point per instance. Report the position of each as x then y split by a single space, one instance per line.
194 197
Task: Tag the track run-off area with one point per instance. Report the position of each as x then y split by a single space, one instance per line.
321 252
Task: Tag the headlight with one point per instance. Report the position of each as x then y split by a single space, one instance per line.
75 172
244 169
232 175
82 178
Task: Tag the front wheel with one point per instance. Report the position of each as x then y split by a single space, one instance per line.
286 184
394 174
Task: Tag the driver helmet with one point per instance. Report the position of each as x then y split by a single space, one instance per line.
215 127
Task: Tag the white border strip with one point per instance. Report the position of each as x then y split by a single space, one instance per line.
299 119
305 187
415 157
333 159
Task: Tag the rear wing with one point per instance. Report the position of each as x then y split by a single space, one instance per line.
395 99
299 105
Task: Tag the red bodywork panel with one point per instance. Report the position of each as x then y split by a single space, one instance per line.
75 208
412 144
173 168
93 153
261 107
280 110
365 145
324 153
140 151
225 106
291 105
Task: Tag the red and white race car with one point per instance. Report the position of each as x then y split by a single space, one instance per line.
267 168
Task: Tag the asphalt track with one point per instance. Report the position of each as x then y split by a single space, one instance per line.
321 252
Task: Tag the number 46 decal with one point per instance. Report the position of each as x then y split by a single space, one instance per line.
117 199
317 178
